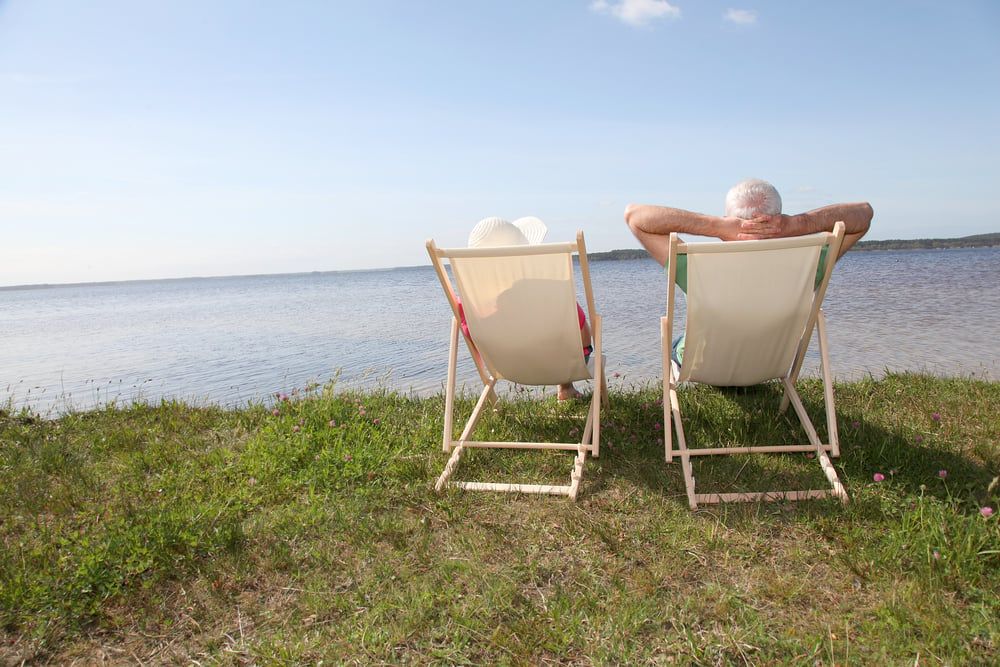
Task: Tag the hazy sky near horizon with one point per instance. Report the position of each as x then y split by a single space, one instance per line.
155 139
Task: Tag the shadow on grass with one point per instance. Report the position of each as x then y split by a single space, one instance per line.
911 449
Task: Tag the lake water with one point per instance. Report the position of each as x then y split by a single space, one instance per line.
234 340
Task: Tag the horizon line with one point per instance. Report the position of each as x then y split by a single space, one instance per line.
31 286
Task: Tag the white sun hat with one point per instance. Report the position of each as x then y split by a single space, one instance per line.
492 232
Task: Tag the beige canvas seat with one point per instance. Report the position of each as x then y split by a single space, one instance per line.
521 309
751 309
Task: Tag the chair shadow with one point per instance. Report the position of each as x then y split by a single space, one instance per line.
632 449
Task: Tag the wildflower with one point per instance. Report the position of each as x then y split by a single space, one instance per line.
937 556
936 417
856 424
333 424
284 397
296 428
986 511
347 457
919 438
942 473
275 412
656 427
376 420
252 480
879 477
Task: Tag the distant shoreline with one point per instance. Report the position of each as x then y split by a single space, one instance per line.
976 241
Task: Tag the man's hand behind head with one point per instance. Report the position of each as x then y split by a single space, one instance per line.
767 227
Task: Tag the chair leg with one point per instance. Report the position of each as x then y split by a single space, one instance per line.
669 386
831 412
449 405
807 425
449 467
470 425
577 474
689 481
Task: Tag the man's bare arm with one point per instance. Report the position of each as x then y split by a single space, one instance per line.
652 225
857 219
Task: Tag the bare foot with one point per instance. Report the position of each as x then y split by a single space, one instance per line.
568 391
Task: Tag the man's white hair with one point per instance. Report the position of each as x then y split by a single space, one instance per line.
752 197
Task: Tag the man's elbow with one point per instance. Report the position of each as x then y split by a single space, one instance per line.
865 222
632 216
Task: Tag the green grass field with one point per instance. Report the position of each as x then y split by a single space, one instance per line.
308 531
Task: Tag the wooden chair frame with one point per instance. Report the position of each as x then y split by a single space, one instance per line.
690 371
490 374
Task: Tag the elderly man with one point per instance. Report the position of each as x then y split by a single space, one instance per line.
753 211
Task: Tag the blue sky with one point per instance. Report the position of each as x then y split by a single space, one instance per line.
157 139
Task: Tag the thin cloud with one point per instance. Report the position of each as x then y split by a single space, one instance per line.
637 13
741 16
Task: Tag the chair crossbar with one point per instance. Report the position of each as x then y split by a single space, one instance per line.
501 251
542 489
765 496
753 449
526 445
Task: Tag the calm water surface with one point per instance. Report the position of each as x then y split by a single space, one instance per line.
235 340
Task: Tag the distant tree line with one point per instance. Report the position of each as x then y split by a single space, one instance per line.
977 241
629 253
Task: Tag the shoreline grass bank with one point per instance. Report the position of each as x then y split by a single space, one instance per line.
307 530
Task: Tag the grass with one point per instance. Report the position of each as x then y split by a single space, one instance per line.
307 531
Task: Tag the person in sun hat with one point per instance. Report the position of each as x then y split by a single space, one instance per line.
494 232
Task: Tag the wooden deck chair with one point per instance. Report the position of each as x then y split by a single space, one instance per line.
520 306
751 310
